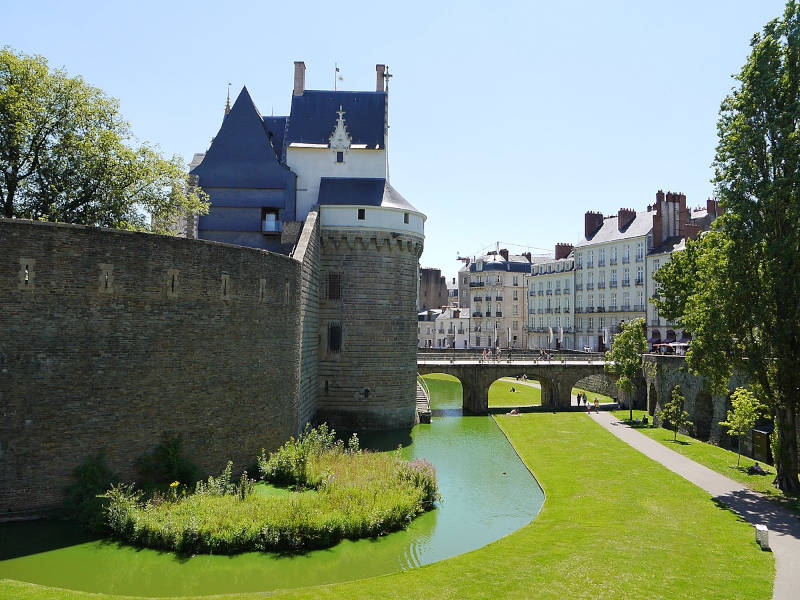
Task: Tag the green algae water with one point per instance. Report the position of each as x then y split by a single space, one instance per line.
486 493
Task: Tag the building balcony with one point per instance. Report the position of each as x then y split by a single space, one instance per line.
589 329
532 293
539 311
639 259
540 293
557 310
601 285
566 291
613 308
640 282
578 266
497 314
655 323
549 292
590 265
476 284
478 299
639 308
600 309
589 286
612 284
549 311
625 261
626 283
579 286
566 310
558 292
601 263
498 299
476 314
612 261
589 309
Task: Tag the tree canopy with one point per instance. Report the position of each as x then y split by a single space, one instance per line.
625 357
737 289
66 154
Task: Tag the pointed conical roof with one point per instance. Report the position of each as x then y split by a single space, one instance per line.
241 155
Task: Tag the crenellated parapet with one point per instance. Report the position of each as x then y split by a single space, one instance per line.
379 241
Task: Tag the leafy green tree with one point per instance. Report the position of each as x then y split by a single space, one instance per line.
736 288
674 414
625 357
67 155
746 412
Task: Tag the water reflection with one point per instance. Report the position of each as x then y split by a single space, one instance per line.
487 493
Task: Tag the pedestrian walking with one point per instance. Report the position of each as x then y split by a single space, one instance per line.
596 405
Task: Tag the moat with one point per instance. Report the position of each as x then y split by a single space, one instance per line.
487 493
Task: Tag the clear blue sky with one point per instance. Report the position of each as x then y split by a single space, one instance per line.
508 120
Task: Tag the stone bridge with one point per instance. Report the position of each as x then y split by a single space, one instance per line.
557 378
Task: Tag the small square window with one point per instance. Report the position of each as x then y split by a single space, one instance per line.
362 214
405 218
340 157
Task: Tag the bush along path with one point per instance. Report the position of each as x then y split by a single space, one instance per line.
784 526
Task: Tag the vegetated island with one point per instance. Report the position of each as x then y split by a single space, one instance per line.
325 492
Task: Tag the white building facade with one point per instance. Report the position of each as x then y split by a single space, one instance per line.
550 290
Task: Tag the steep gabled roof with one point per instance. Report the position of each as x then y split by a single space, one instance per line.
276 130
241 155
313 117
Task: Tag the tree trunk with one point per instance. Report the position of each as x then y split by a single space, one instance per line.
786 462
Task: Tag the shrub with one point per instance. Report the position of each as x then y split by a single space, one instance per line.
342 492
165 464
84 499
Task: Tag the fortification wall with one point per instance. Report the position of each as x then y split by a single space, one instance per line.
110 340
307 253
370 381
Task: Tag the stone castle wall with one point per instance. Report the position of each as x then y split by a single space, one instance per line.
307 253
109 340
370 383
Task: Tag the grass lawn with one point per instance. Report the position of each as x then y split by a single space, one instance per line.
590 396
615 525
501 396
715 458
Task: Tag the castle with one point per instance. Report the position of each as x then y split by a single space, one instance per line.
296 303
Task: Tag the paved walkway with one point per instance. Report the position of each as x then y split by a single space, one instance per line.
784 526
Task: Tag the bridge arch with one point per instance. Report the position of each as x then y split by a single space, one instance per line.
556 378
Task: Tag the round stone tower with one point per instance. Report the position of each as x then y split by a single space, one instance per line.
368 308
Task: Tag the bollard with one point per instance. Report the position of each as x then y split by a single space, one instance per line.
762 536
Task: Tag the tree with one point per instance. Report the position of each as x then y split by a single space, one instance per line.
738 286
746 412
674 414
67 155
625 357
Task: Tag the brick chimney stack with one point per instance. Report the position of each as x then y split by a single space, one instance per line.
504 253
528 256
592 221
299 78
381 80
625 217
712 206
563 250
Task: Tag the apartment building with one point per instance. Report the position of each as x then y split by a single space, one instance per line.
496 283
550 288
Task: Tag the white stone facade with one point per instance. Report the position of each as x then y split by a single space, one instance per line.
550 292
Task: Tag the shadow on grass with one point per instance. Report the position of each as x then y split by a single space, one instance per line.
22 538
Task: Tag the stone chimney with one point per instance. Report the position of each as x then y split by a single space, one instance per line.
592 221
528 256
299 78
380 81
563 250
504 253
625 217
712 206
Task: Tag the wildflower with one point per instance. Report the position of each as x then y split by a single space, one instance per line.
174 484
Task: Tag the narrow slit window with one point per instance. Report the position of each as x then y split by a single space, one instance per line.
340 157
334 286
334 337
362 214
405 218
27 275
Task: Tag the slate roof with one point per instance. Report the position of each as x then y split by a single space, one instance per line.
241 155
672 244
313 116
516 263
361 192
641 225
276 129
